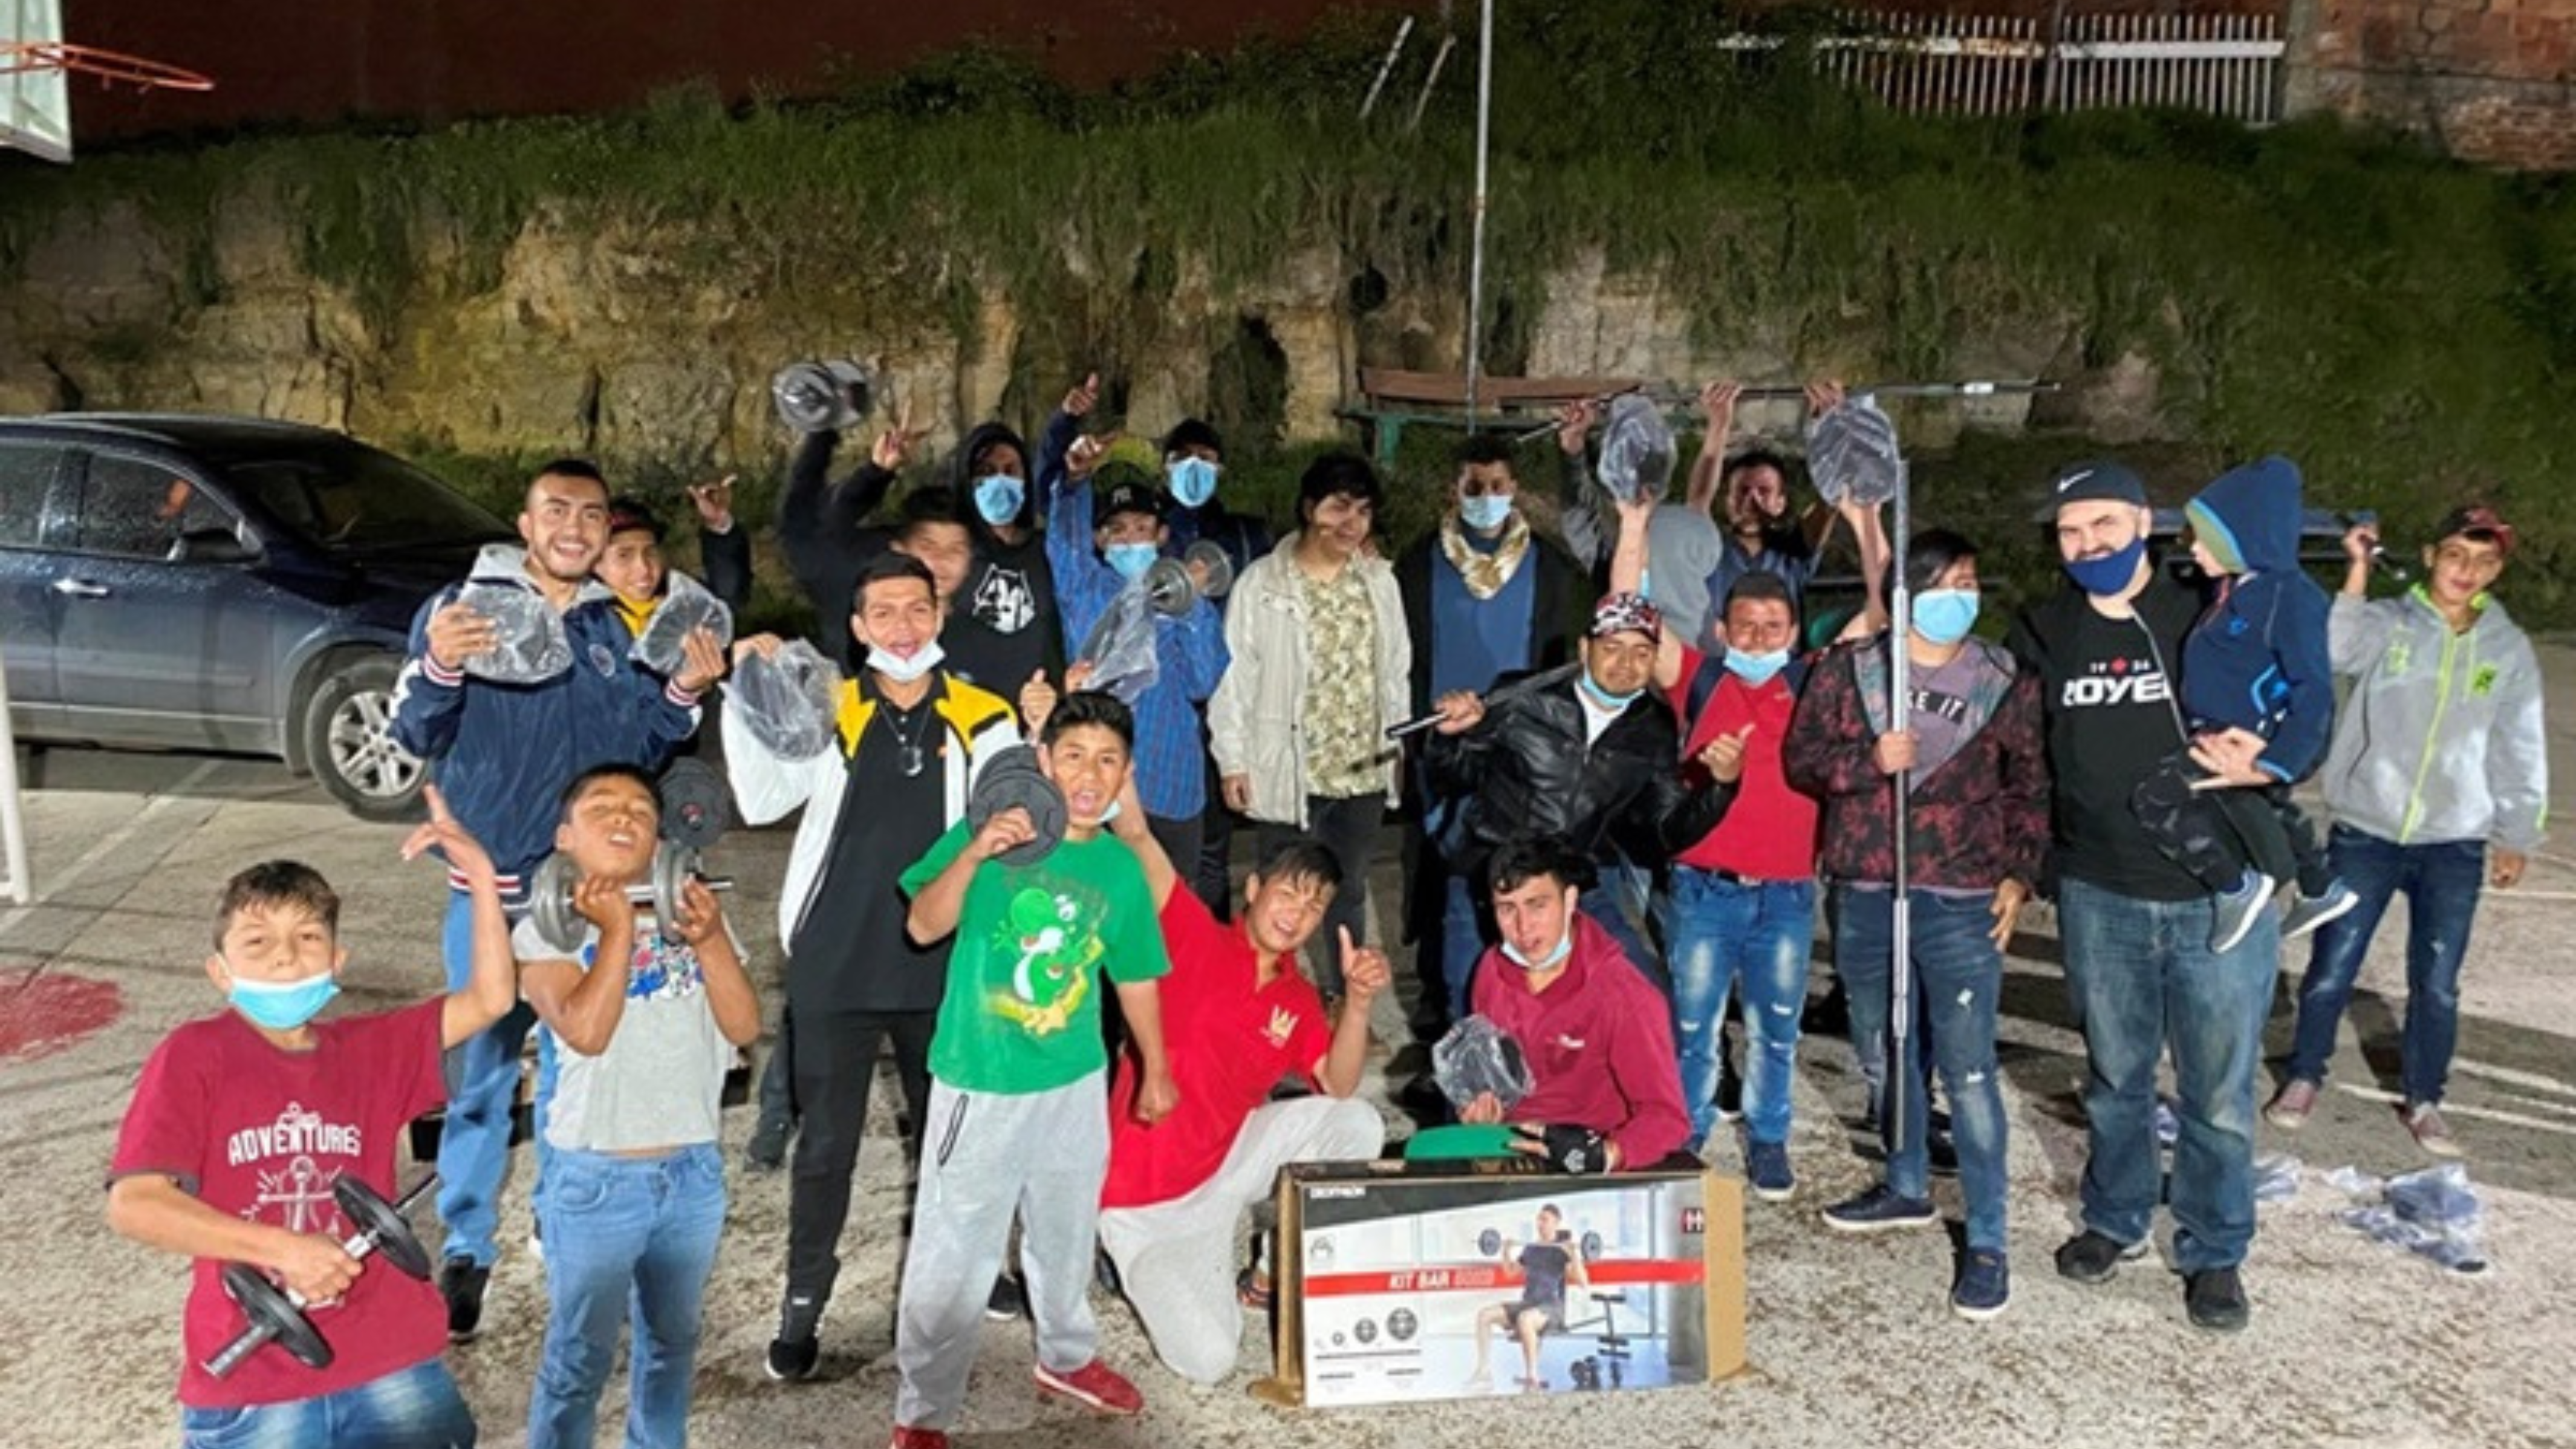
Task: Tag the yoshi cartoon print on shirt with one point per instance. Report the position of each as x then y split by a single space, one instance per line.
1052 943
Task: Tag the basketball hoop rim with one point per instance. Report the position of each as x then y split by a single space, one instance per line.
112 67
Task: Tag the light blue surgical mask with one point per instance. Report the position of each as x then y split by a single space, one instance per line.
1756 668
2110 575
998 497
1486 511
1193 480
1605 698
1131 559
283 1005
1944 616
1564 948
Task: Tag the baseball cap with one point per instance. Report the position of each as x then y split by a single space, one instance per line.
627 514
2477 521
1130 496
2097 480
1624 614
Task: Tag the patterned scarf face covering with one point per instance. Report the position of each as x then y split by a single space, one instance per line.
1485 573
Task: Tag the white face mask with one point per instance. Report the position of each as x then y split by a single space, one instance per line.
1564 948
904 670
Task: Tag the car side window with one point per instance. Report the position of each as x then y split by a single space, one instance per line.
139 509
26 475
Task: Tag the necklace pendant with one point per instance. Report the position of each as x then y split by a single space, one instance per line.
911 761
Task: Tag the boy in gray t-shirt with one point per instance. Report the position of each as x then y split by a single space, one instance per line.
634 1197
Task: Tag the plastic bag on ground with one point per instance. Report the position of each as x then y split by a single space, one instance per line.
789 703
2434 1213
1121 647
530 646
2276 1177
1853 455
685 605
1636 450
1477 1057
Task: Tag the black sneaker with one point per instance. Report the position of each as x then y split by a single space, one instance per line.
1007 1301
798 1347
2091 1257
1941 1155
461 1282
767 1149
2215 1299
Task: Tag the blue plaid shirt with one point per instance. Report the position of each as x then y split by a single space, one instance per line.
1171 756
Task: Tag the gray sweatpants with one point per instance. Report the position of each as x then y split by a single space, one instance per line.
985 1156
1176 1258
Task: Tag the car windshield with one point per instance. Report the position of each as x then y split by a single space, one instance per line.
354 499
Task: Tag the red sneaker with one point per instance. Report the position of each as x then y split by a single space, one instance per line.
1095 1384
908 1437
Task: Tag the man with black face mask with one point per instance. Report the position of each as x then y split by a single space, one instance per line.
2136 926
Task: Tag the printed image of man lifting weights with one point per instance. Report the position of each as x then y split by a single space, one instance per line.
1545 1265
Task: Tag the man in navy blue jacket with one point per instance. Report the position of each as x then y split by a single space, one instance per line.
502 754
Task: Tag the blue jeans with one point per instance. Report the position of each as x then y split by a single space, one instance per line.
625 1236
2142 979
1749 936
413 1408
1957 980
483 1079
2441 882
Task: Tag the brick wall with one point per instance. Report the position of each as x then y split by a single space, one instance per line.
2492 81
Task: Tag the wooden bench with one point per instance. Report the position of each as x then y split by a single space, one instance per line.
1392 400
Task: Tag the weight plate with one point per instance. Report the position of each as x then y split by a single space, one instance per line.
266 1305
1489 1242
697 807
550 905
369 1213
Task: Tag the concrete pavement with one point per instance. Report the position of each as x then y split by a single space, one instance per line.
1851 1341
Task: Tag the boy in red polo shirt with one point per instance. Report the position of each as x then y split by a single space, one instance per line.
243 1121
1237 1017
1744 895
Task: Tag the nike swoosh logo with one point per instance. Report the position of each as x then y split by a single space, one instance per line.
2071 479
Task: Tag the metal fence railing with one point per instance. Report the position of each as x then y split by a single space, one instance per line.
1990 65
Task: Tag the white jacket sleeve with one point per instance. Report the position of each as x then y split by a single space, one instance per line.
1230 708
2518 760
2357 631
765 787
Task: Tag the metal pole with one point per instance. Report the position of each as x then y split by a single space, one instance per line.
19 885
1476 244
1902 1076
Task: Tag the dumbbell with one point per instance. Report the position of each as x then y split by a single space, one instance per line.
562 926
1170 588
819 397
277 1314
1012 780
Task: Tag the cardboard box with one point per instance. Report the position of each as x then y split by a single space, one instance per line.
1389 1272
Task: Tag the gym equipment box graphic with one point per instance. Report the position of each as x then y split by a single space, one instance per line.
1408 1282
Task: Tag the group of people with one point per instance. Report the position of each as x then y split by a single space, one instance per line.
1627 783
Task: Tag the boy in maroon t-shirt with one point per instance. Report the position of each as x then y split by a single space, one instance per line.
243 1121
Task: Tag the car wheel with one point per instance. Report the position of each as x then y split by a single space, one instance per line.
348 731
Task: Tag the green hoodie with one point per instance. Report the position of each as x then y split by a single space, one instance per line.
2441 739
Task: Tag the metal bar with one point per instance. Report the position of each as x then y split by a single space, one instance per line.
1431 82
1476 245
1386 67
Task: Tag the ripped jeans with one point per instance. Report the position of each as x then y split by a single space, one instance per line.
1958 974
1728 936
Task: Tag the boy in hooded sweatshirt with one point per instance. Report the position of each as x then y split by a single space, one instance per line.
2254 665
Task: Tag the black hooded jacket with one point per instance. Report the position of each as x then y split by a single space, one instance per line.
1524 770
1003 626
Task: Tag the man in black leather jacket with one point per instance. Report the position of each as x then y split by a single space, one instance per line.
1595 761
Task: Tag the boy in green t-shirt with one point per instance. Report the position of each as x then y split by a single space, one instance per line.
1019 1116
